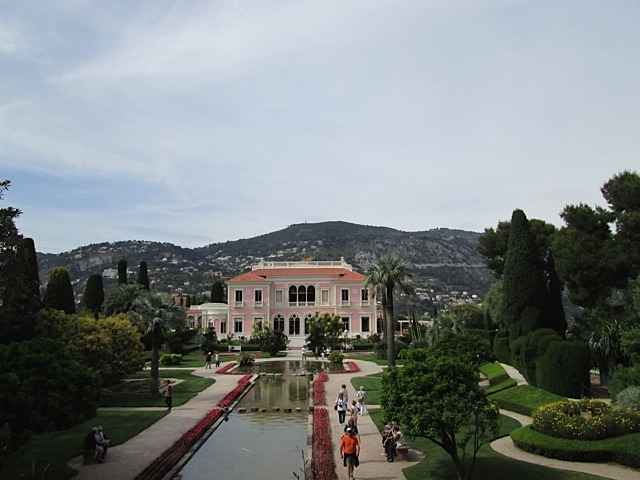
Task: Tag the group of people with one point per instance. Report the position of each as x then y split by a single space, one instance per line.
95 441
350 442
207 359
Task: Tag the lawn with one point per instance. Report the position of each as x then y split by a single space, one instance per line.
437 464
49 452
371 384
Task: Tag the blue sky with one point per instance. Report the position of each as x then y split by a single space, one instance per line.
199 122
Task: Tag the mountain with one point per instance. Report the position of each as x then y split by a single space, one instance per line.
444 260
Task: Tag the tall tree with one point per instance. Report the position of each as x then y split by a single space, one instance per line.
122 272
19 282
155 314
524 302
143 276
217 292
93 295
59 292
387 274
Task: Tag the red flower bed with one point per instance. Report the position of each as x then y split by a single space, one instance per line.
319 394
353 367
229 398
226 368
161 465
324 467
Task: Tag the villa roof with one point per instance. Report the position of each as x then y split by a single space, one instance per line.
269 274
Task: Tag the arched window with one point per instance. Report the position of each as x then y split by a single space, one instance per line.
302 294
293 294
278 323
294 325
311 294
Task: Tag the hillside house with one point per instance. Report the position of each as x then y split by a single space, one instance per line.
286 294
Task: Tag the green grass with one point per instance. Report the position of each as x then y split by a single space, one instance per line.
497 376
437 464
371 384
182 392
49 452
524 399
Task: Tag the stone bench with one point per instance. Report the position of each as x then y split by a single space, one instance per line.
235 348
403 452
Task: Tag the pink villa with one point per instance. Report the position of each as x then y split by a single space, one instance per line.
286 294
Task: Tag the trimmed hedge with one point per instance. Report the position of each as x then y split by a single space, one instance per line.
501 347
564 368
498 378
624 450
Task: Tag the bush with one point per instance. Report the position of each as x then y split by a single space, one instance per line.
246 358
585 420
564 368
501 347
336 357
622 378
171 359
524 399
629 398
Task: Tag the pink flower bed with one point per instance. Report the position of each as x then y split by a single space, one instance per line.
161 465
352 368
229 398
323 465
319 393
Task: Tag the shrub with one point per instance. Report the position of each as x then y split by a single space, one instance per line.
501 347
585 420
336 357
171 359
622 378
524 399
564 368
629 398
246 359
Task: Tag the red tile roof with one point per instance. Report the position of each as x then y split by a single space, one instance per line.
268 274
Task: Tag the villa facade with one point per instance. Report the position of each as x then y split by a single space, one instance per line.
285 295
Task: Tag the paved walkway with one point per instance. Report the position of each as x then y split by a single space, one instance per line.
127 460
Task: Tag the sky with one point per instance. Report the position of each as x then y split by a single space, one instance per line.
197 122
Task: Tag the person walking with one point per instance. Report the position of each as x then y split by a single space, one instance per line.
168 395
207 360
361 395
217 359
341 407
350 451
345 393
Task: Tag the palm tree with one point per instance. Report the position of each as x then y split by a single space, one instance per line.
383 277
156 313
121 298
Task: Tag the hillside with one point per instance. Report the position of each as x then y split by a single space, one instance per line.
444 260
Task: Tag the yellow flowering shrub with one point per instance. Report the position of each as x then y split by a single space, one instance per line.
585 420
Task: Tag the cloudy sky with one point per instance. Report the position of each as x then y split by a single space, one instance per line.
194 122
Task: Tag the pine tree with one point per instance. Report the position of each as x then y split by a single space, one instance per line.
217 292
59 293
524 303
93 296
122 271
143 276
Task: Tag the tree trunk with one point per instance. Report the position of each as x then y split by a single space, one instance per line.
391 327
154 384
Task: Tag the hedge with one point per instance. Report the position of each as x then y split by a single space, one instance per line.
524 399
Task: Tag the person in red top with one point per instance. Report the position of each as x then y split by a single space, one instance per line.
349 451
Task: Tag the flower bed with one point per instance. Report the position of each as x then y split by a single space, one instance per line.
226 368
229 398
323 465
161 465
585 420
319 393
352 368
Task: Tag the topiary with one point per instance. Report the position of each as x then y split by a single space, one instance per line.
336 357
629 398
246 359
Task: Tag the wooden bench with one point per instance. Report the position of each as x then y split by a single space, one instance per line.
403 452
235 348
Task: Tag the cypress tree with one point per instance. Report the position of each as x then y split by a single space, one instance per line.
217 292
524 302
59 293
557 319
143 276
93 296
32 274
122 271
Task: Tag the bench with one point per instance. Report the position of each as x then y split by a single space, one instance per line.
403 452
235 348
88 457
